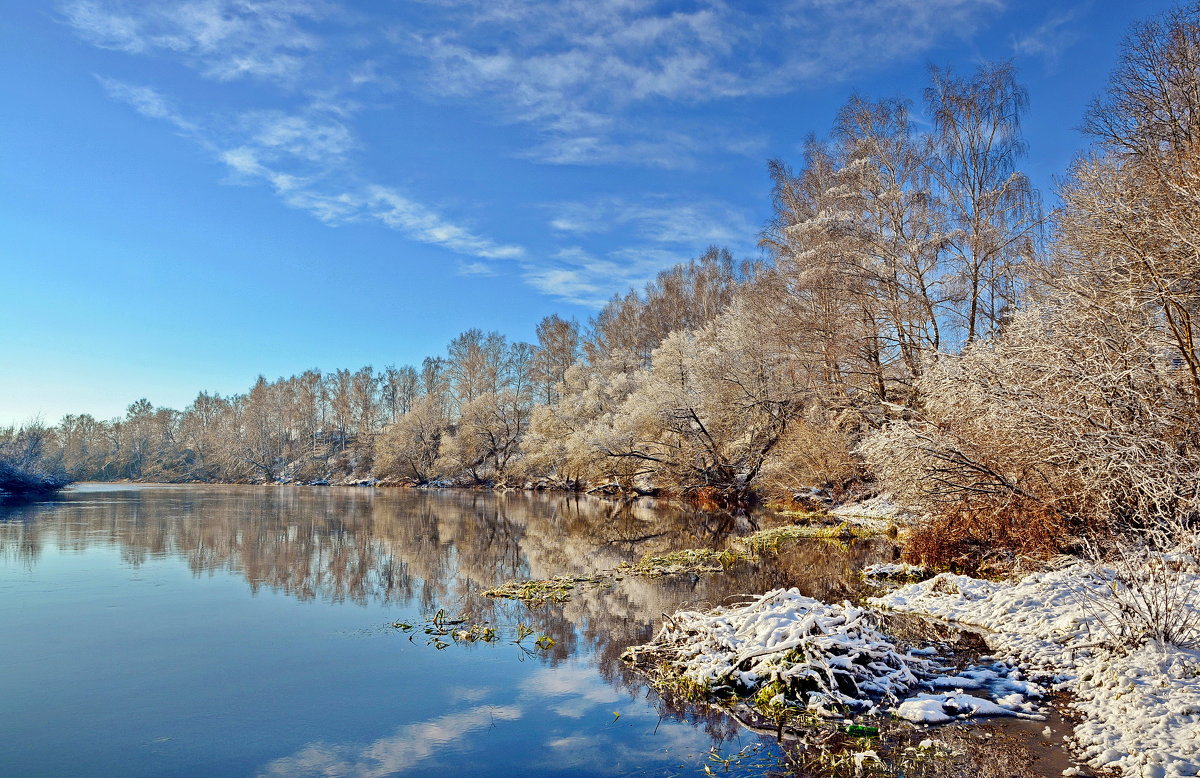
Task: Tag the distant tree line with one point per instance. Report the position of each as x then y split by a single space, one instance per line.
917 322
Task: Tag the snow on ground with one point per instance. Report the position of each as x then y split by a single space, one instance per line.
876 513
824 657
1140 711
881 574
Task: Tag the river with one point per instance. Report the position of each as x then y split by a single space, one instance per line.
230 630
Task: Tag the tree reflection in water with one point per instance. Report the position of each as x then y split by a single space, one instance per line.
443 549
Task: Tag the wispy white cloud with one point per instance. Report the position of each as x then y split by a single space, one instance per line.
1050 39
147 101
569 284
659 231
598 81
245 164
323 139
370 203
575 69
579 277
223 39
693 223
301 157
397 211
475 269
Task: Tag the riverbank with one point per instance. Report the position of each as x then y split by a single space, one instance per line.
1138 704
815 667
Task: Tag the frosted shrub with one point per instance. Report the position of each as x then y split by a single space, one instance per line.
1074 415
816 450
1151 588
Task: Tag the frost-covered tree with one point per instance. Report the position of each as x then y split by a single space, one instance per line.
709 411
29 462
898 235
260 437
409 448
475 365
683 297
483 443
205 434
991 207
556 351
1133 207
1074 417
560 447
399 391
1084 410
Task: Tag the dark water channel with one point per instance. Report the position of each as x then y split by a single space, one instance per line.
167 630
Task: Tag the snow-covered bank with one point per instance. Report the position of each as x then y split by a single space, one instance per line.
1140 711
789 650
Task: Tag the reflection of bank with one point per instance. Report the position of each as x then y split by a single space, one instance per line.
353 544
434 549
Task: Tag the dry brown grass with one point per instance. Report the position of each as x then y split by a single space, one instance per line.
988 538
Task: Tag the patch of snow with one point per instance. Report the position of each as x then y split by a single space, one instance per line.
827 658
893 570
1140 710
835 651
941 708
893 574
877 513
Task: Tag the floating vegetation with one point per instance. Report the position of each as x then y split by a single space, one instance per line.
840 754
773 539
691 560
540 592
443 632
755 757
559 589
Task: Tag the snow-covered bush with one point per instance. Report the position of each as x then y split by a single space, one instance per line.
1074 418
1147 588
788 651
823 656
26 464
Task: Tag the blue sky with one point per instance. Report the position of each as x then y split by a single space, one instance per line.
199 191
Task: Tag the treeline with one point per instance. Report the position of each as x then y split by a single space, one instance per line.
889 246
461 417
917 322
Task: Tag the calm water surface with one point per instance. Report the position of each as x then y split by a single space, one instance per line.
180 630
